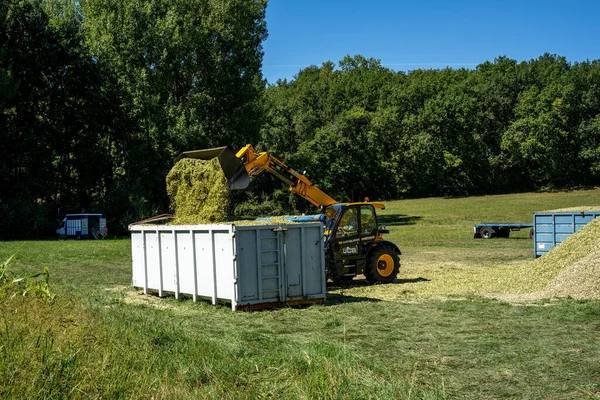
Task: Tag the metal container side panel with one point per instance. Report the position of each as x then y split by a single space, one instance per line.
138 260
224 275
314 262
167 261
305 271
206 264
584 219
248 262
258 264
153 269
205 282
543 248
190 259
270 247
562 219
544 230
289 265
295 263
185 262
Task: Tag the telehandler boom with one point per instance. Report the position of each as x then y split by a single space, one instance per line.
354 241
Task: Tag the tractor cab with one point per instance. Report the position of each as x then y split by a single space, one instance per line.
352 238
354 243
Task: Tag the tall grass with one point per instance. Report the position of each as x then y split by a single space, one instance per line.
36 283
106 346
67 349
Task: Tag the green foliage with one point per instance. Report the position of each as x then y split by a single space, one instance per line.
37 284
97 97
4 270
188 75
53 125
364 130
279 202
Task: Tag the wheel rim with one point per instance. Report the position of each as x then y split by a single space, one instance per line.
385 265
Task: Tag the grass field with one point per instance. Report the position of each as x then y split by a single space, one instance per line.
427 336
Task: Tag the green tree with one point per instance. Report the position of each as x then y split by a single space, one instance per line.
502 127
187 74
54 148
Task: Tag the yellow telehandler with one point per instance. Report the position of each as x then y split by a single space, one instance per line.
354 241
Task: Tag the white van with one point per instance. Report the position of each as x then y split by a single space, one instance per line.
83 226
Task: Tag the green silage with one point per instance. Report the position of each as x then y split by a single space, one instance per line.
577 209
199 195
198 192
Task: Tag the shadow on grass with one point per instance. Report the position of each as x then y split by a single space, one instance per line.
502 239
363 282
412 280
397 219
340 298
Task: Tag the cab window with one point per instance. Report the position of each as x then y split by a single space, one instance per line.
348 223
368 221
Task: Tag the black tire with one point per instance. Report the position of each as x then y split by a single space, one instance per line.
531 233
487 232
383 265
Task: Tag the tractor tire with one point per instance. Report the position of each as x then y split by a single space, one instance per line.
383 265
487 232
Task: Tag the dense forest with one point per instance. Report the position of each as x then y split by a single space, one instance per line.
98 97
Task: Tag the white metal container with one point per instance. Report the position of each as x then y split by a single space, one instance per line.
257 266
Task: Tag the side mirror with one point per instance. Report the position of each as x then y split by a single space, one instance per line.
383 230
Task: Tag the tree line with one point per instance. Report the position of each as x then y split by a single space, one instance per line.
98 97
365 130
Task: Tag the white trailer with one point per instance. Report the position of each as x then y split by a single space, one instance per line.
83 226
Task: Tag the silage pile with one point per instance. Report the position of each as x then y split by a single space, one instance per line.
580 277
198 192
577 209
571 269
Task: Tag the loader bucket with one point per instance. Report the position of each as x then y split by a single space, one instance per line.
232 166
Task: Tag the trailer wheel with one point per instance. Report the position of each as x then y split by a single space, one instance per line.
383 265
487 232
531 233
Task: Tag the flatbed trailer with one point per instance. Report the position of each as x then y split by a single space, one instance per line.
499 229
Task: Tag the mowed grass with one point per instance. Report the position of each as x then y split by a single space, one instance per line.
440 256
101 339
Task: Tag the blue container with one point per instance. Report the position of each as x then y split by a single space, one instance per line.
551 228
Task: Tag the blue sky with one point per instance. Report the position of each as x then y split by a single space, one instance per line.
406 35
